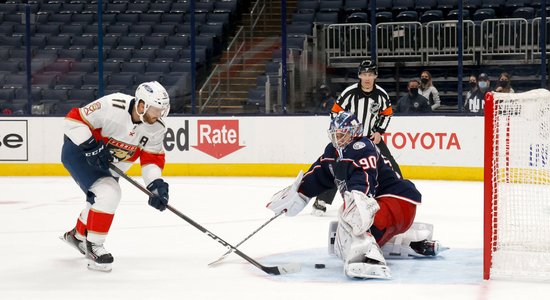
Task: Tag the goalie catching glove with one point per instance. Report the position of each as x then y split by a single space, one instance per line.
160 190
289 199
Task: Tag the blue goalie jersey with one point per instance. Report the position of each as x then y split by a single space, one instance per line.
360 168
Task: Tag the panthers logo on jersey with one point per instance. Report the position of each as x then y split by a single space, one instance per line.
121 151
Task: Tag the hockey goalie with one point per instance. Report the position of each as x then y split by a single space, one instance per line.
376 219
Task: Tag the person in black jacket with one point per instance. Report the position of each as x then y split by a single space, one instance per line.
413 102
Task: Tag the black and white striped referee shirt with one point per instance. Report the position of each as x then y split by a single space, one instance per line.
372 109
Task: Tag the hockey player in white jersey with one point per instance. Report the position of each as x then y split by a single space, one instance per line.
121 129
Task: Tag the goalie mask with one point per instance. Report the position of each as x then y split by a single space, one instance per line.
156 100
344 128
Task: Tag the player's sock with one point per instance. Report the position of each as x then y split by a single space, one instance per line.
72 238
98 258
319 208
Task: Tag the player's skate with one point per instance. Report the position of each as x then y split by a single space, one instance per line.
319 208
415 242
72 238
98 258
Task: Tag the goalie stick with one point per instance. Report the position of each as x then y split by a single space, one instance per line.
249 236
274 270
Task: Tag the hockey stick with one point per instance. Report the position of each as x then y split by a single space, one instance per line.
275 270
249 236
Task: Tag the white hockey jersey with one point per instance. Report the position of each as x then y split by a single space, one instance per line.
109 119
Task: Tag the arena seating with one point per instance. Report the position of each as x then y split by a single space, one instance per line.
141 40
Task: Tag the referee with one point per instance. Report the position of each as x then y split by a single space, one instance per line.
371 105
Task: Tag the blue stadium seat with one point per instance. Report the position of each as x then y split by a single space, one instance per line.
153 42
149 18
143 55
303 18
407 16
160 7
83 67
352 6
60 19
527 13
168 54
69 81
326 18
138 7
127 19
431 15
58 42
129 42
110 67
484 14
177 42
72 8
70 54
384 17
45 81
424 5
72 29
157 67
55 95
120 55
172 18
121 81
87 96
82 42
132 67
358 17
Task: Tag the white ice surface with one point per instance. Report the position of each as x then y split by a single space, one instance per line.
160 256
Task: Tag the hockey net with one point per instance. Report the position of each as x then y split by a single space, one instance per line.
517 186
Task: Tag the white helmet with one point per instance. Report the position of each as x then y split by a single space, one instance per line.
155 97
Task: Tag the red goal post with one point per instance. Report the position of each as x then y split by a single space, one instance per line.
517 186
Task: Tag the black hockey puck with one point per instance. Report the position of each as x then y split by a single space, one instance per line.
319 266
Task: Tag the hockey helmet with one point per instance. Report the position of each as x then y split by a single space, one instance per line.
368 66
343 129
155 97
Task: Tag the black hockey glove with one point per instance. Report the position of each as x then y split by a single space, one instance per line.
96 153
160 188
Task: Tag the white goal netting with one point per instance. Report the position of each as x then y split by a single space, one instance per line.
520 185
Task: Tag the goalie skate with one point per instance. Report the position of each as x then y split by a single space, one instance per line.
98 258
319 208
70 238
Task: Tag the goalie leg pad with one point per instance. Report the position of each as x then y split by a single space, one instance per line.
358 211
394 217
361 254
332 236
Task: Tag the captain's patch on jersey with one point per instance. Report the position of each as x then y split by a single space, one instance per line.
120 150
359 145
